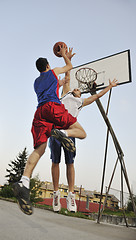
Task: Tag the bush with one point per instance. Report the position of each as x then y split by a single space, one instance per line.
6 191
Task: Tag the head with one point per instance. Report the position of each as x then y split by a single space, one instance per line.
42 64
76 92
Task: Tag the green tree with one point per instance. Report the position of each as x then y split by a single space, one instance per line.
130 205
16 167
14 174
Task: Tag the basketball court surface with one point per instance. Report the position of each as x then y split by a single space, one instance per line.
44 224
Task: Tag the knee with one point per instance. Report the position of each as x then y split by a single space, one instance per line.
83 134
55 165
41 152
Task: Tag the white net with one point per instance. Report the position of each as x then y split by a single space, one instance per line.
86 78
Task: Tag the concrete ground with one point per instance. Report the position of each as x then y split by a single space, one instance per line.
44 224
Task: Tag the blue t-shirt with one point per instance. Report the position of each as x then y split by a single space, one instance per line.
46 87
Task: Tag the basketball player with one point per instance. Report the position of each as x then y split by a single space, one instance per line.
49 117
74 103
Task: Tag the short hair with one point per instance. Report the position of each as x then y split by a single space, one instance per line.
41 64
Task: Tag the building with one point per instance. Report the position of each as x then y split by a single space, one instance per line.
46 191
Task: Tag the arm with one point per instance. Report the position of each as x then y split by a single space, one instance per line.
94 97
68 63
66 80
61 81
66 84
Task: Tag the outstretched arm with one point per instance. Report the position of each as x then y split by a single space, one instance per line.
66 82
94 97
67 60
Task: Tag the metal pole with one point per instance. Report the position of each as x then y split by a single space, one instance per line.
122 200
79 198
115 140
105 158
107 189
118 149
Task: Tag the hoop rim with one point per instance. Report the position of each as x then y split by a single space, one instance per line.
85 69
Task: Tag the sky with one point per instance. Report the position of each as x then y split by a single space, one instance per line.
95 29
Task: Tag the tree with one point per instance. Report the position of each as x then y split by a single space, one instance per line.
17 167
15 173
130 205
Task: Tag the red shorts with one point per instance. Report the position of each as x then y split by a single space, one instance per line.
48 116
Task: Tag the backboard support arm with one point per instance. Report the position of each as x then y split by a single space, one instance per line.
118 150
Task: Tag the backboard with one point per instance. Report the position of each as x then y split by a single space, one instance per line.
115 66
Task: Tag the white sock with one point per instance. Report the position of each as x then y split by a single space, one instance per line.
26 181
64 131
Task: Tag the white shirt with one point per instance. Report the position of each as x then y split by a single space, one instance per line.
72 104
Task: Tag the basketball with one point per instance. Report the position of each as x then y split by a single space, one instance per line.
56 48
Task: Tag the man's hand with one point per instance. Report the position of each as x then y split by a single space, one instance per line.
114 83
63 81
68 63
70 54
63 50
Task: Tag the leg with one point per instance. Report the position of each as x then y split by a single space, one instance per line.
55 148
21 192
33 159
76 130
71 203
70 172
56 194
70 176
55 175
73 128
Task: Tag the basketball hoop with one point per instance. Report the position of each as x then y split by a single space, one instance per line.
86 78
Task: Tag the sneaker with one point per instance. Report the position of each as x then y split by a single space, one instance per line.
56 201
23 197
71 203
66 141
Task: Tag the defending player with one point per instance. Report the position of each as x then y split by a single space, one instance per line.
74 103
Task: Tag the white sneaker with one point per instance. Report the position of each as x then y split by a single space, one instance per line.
71 203
56 201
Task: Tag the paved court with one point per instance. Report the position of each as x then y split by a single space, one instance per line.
47 225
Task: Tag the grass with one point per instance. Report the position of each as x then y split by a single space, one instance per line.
43 206
12 199
118 213
64 211
77 214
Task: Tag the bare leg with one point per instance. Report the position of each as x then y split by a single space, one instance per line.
56 194
76 130
55 175
21 192
71 177
33 159
71 203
